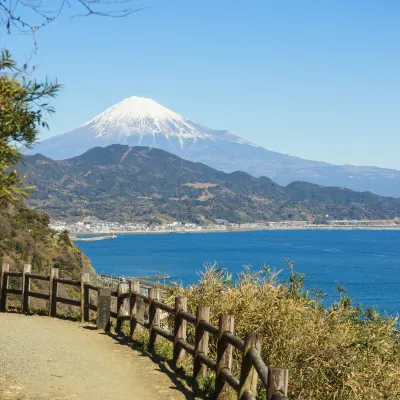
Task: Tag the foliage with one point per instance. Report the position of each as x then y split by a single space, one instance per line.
23 105
339 351
63 239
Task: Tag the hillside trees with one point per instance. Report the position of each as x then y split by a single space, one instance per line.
24 104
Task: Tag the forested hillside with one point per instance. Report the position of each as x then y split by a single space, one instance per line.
128 184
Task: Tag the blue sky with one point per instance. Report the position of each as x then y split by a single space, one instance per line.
316 79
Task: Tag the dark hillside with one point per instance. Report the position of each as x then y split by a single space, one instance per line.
129 184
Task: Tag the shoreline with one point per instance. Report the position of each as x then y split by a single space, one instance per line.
286 228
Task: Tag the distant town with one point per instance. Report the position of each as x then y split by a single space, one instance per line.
92 225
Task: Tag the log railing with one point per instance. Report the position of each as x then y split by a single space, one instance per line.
132 306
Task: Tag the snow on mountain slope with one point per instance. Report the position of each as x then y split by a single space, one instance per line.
143 117
138 121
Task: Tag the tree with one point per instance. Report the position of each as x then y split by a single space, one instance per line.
31 15
23 107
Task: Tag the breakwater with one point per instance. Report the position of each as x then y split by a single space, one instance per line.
92 238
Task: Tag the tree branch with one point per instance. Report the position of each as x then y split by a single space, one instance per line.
11 11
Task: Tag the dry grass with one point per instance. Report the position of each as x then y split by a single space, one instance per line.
332 352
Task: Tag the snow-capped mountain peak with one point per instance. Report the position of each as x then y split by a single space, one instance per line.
139 116
136 121
133 108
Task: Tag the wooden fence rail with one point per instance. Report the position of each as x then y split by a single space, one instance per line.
132 306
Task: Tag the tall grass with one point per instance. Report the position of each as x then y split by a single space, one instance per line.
336 351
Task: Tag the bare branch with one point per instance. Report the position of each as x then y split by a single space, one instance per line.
90 4
32 15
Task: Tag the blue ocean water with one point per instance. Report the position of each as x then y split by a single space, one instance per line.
366 263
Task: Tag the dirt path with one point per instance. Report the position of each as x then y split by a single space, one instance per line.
45 358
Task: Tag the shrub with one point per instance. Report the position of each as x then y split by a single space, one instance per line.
63 239
337 351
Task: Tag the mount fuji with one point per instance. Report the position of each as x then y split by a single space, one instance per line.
138 121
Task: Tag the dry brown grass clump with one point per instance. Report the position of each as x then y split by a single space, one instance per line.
332 352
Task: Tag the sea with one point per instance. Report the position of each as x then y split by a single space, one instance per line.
365 262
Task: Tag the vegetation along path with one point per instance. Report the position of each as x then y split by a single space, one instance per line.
46 358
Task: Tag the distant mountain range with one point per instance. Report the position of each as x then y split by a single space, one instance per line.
143 122
124 184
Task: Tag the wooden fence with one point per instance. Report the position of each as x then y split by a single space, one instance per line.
131 305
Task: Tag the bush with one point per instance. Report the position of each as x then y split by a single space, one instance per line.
63 239
332 352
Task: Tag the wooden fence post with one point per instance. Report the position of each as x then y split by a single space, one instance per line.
26 286
224 356
123 288
84 297
53 292
201 341
154 315
134 287
179 329
248 375
278 379
4 287
104 309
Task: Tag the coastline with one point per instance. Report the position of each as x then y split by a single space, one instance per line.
277 228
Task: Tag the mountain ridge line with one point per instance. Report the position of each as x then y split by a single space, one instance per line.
143 184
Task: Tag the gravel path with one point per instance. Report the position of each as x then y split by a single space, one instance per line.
44 358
